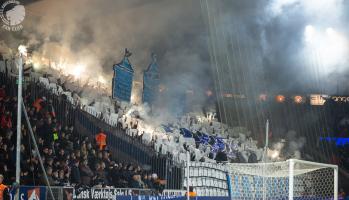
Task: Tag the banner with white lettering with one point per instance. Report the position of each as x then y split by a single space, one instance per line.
99 193
109 193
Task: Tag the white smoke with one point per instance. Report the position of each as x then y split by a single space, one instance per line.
288 147
5 50
324 10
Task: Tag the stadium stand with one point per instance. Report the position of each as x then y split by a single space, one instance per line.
162 147
69 158
130 139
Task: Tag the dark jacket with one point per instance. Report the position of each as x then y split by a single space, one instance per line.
135 184
86 175
75 175
6 194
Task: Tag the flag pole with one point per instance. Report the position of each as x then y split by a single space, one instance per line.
22 51
265 154
19 118
266 135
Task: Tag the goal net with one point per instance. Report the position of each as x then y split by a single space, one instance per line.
291 179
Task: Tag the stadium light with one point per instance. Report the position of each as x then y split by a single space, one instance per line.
328 45
309 33
298 99
280 98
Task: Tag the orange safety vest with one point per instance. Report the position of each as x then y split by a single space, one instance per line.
37 104
101 140
2 189
191 194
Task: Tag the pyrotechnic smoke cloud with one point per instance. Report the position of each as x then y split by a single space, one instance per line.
269 31
96 32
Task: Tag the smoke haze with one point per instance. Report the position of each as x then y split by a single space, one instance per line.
266 41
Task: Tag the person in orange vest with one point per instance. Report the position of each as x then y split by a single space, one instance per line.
3 189
101 140
191 192
38 103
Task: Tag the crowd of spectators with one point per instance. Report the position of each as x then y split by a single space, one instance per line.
69 159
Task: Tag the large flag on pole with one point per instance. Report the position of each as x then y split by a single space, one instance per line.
123 78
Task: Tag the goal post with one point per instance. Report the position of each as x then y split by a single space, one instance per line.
291 179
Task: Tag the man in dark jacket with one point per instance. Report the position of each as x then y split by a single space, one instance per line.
86 173
75 173
46 131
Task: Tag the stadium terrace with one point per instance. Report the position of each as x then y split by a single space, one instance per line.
174 99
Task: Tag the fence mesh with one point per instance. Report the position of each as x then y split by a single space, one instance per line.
57 193
316 183
283 180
